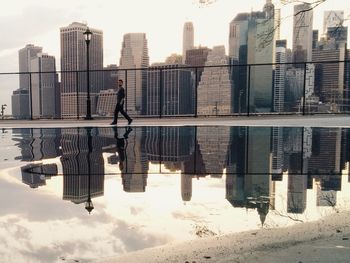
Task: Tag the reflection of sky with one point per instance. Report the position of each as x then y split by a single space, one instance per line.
36 225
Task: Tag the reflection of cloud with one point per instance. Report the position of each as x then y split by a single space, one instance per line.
135 210
35 205
134 238
187 216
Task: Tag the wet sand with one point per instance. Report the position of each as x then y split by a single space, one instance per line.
325 240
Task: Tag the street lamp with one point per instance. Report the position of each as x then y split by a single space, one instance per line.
88 204
87 35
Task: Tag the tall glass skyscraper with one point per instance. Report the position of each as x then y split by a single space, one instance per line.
134 55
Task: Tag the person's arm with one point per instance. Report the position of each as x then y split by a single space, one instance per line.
121 96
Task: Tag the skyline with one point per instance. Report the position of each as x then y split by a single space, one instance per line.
163 39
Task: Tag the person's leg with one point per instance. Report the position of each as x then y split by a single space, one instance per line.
126 116
116 112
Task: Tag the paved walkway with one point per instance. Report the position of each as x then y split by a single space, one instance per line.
300 121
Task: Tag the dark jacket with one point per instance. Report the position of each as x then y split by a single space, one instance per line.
120 96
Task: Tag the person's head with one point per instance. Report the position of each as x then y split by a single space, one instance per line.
120 83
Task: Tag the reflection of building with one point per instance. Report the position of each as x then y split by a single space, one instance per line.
35 175
213 143
38 144
169 144
186 187
73 58
135 170
325 156
297 186
277 150
81 161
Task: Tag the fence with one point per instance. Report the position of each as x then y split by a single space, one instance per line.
180 91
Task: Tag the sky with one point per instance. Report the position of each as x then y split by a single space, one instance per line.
38 22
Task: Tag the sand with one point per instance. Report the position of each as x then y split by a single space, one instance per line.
325 240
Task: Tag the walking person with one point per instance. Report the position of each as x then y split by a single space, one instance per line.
119 107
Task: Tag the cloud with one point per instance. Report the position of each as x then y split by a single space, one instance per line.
16 30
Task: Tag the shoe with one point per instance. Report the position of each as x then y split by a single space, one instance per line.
113 123
130 121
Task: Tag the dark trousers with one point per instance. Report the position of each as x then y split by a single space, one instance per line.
120 108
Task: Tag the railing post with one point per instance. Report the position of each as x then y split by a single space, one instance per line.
77 91
248 96
304 88
160 92
30 96
126 89
196 93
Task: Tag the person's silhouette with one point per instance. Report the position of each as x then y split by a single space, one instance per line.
122 144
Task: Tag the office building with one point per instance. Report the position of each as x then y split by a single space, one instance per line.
73 59
188 39
302 32
279 77
174 95
134 55
214 89
45 87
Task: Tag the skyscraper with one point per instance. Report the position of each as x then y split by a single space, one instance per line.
73 58
134 54
302 32
196 57
24 58
188 39
238 42
45 88
261 49
176 94
21 97
332 18
214 89
279 77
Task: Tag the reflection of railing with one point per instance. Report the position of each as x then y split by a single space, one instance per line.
248 158
180 90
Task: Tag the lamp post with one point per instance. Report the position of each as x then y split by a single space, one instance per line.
87 35
88 204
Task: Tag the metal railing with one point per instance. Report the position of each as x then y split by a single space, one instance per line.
185 91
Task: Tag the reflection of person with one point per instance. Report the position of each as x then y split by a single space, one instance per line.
122 143
119 107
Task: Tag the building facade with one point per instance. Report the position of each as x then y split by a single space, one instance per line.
134 55
45 87
214 89
188 39
73 60
173 96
